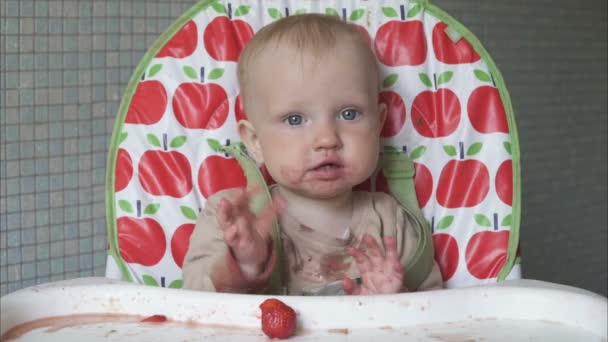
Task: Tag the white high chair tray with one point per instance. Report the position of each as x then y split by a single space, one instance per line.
100 309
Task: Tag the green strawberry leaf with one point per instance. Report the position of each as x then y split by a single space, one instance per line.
149 280
389 80
151 209
425 79
153 140
417 152
482 75
444 77
216 73
214 144
178 141
122 137
242 10
507 221
389 12
414 11
125 206
332 11
357 14
444 222
507 146
450 150
154 70
219 8
474 149
188 212
300 11
190 72
483 220
274 13
176 284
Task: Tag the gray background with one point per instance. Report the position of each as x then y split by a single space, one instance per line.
65 65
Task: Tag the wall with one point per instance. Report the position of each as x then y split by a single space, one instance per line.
65 64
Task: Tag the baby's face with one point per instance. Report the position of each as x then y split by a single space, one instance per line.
316 118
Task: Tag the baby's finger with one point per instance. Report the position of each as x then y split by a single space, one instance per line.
390 246
225 216
361 259
373 250
231 235
350 286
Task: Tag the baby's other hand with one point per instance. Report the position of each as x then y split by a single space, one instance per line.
246 234
381 273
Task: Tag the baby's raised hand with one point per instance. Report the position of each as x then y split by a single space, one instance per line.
381 273
246 234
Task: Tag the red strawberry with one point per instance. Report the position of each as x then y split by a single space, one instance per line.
278 319
155 319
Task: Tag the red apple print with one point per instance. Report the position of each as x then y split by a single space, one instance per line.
400 42
267 177
225 38
504 182
436 113
200 106
123 170
180 241
423 182
148 104
486 110
463 183
395 110
239 111
183 43
446 254
140 240
449 52
487 251
163 172
218 173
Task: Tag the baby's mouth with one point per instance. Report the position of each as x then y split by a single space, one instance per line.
327 166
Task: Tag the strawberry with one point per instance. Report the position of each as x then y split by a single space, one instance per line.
155 319
278 319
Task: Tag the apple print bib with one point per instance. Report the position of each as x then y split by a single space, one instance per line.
449 111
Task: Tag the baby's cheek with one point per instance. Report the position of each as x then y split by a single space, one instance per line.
290 175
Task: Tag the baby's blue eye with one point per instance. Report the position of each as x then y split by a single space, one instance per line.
349 114
294 120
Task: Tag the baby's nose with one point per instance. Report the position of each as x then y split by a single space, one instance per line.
327 136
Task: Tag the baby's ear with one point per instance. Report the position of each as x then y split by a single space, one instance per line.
382 113
249 136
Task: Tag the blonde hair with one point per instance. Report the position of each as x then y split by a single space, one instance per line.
306 32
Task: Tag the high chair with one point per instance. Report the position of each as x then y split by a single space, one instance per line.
450 126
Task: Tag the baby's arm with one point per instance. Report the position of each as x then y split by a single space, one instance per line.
230 248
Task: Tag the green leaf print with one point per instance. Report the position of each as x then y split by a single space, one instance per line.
444 77
332 11
176 284
153 140
216 73
417 152
242 10
357 14
151 209
474 149
506 222
450 150
390 80
274 13
178 141
149 280
154 70
482 220
214 144
389 12
507 146
425 79
188 212
414 10
125 206
122 137
190 72
444 222
482 75
219 8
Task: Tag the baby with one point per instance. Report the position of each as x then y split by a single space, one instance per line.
310 86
